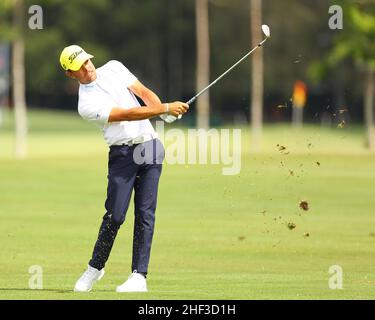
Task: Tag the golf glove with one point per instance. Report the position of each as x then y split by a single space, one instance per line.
168 118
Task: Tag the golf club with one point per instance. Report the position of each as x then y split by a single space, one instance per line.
267 33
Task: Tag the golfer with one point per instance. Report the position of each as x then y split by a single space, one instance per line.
107 97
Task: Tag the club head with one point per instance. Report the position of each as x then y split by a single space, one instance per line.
266 30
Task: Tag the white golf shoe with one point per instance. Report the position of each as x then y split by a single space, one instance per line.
135 283
87 280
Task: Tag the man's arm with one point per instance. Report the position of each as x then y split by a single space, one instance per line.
153 107
134 114
148 96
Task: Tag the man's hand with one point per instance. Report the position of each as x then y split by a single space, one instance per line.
177 108
172 117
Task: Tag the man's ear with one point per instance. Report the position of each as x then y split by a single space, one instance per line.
69 74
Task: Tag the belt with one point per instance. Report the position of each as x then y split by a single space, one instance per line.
138 140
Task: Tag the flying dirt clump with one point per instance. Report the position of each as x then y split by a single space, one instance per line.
281 148
291 225
304 205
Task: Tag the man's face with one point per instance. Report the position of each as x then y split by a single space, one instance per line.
86 74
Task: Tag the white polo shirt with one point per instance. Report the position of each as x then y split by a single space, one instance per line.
108 91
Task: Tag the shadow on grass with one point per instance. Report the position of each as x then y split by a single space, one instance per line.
50 290
35 290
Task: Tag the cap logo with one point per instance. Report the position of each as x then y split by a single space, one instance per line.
74 55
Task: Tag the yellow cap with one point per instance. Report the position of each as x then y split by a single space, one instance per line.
73 57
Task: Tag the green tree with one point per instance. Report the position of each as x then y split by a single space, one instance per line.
354 43
6 32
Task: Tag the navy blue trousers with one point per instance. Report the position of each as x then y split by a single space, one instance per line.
135 167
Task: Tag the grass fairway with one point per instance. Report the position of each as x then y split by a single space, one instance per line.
216 237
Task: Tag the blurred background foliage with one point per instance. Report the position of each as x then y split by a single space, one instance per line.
156 40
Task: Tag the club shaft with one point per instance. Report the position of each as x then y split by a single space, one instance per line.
225 73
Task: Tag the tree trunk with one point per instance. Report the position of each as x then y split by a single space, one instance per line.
369 108
18 80
203 63
256 115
